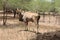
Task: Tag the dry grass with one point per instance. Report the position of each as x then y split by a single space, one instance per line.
12 30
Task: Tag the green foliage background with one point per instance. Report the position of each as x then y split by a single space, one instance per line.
33 5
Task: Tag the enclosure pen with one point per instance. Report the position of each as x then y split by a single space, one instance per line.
29 19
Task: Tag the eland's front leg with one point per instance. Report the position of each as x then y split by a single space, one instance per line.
26 24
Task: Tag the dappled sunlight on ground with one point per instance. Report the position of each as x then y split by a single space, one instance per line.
12 31
15 30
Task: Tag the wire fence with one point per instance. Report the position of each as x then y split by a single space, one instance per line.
46 19
50 19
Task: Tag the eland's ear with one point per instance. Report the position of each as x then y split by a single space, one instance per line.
22 12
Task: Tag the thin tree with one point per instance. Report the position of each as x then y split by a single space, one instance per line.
4 12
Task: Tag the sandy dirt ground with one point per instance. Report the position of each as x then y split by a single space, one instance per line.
12 31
